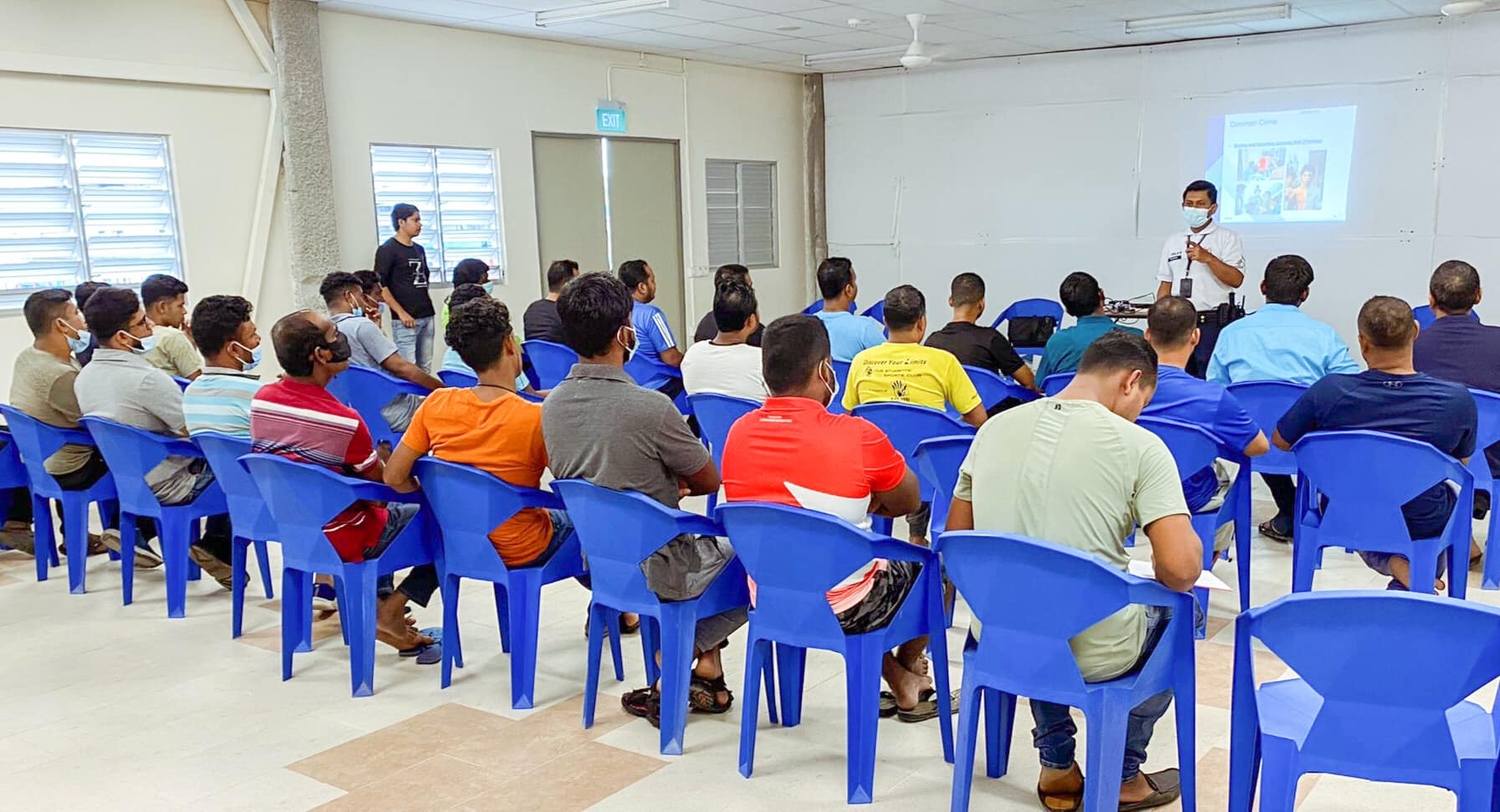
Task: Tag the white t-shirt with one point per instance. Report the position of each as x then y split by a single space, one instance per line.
732 370
1208 291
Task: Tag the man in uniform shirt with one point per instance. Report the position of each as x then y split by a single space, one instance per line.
1204 265
653 336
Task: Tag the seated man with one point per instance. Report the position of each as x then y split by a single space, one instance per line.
540 320
1172 329
1279 342
297 418
653 336
1083 299
373 305
81 294
601 427
904 371
219 399
1036 470
729 364
765 461
848 334
1391 396
169 348
120 385
468 272
454 362
371 348
488 427
707 327
976 346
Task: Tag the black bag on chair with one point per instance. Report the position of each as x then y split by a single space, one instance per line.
1030 331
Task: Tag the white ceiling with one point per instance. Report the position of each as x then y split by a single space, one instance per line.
777 34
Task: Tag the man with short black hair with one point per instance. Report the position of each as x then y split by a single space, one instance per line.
600 426
81 294
404 276
1037 470
1393 397
374 295
342 294
540 319
172 351
468 272
733 273
1083 299
653 336
973 345
219 399
858 472
729 364
1217 256
848 334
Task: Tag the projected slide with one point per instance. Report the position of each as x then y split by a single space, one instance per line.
1290 166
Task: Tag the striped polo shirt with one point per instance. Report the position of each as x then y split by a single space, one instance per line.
219 400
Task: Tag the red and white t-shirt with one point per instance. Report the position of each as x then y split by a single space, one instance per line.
792 452
305 423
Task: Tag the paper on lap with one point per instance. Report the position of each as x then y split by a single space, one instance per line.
1144 569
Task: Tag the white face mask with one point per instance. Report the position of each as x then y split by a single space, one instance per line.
147 343
1195 217
631 347
833 389
76 344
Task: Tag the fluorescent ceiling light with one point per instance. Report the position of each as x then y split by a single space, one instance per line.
1279 11
578 14
814 60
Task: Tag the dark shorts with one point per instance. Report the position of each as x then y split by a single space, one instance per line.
887 594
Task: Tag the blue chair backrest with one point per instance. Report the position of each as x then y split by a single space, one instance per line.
817 307
467 502
643 369
716 413
795 556
1056 382
1032 596
1030 307
303 497
1366 476
36 441
994 388
876 311
182 383
12 470
131 454
840 374
247 508
618 530
1267 401
907 425
551 361
367 391
1488 432
1193 447
1425 317
937 462
457 380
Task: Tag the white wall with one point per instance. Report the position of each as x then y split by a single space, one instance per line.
1023 169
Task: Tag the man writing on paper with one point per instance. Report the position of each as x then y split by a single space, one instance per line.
1204 265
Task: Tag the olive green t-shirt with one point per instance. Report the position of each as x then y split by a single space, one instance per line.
1074 473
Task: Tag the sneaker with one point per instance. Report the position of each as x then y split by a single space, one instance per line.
324 599
145 557
18 536
216 569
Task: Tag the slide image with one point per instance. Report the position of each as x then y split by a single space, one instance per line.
1282 167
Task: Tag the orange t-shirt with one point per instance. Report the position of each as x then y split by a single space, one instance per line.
502 437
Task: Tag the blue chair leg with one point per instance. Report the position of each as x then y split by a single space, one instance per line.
1106 754
1424 574
127 557
525 617
293 596
42 531
999 721
237 585
612 619
361 608
650 645
1244 759
1477 782
194 572
969 702
1278 776
450 625
791 661
1458 567
264 558
759 653
678 624
1304 563
302 604
502 615
862 659
937 649
597 620
1492 552
768 676
175 538
76 536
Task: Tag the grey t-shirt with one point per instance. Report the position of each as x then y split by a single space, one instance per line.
600 426
125 388
368 345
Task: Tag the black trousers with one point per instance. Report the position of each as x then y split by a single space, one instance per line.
1208 336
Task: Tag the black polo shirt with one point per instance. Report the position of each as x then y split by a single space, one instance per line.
975 346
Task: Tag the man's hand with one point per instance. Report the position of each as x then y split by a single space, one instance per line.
1197 253
406 320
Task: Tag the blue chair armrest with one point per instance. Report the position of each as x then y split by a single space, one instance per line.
379 492
182 448
77 436
693 523
1145 592
893 550
542 499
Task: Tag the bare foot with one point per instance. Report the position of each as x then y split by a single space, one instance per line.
1401 571
906 685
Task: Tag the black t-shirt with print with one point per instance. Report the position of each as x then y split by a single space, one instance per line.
403 271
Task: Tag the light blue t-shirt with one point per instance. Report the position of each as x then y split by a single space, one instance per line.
452 362
1065 348
219 400
1279 343
849 335
653 337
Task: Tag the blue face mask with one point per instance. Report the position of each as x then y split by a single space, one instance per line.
78 344
249 366
489 288
1195 217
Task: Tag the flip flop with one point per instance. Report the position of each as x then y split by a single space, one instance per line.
1166 787
430 654
436 633
887 704
1268 530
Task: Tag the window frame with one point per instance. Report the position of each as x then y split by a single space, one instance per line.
442 275
740 208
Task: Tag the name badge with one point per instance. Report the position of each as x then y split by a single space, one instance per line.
1177 257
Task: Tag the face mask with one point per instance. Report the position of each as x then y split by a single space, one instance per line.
1196 218
489 288
147 343
249 366
358 311
79 344
339 348
833 389
631 347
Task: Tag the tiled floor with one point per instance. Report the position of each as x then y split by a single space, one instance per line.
119 708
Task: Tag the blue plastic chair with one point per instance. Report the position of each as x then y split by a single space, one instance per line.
936 462
716 413
795 557
1425 317
619 530
248 513
817 307
1194 449
642 369
454 379
303 498
367 391
1012 585
876 311
1267 401
993 388
552 362
131 453
1350 489
907 426
1380 695
35 441
840 374
1030 308
467 504
1488 434
182 383
1056 382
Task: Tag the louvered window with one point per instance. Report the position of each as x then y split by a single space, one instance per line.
742 213
457 194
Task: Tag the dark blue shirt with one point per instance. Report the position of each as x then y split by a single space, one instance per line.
1418 407
1460 349
1181 397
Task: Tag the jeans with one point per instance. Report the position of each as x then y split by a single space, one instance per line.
415 343
1055 729
1284 490
422 581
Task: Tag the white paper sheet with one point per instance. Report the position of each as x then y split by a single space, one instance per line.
1143 569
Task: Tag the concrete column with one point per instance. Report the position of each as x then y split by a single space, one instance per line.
307 163
815 178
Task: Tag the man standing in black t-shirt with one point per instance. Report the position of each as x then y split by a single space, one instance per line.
976 346
402 266
540 320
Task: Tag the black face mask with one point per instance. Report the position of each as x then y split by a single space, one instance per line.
340 349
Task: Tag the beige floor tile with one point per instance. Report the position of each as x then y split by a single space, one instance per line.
438 782
583 777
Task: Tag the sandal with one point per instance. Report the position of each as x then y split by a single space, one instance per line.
644 703
1268 530
1166 787
417 651
926 707
887 704
703 695
1062 801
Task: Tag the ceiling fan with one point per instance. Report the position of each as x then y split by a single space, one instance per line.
1465 7
916 55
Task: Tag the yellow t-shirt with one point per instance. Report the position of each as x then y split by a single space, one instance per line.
910 373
